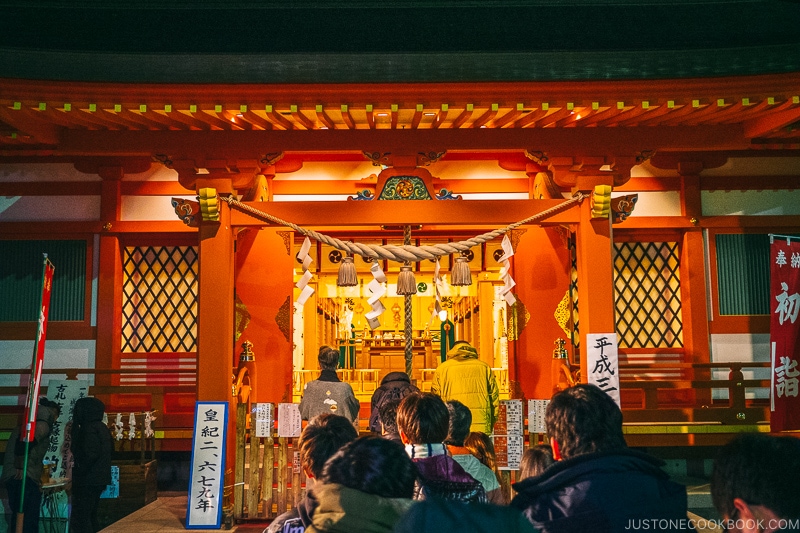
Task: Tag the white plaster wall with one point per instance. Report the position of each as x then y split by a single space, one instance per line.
43 172
49 208
741 347
655 204
156 208
739 203
57 354
756 166
157 172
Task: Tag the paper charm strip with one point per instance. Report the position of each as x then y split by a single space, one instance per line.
132 426
505 272
438 289
305 289
378 290
118 427
148 424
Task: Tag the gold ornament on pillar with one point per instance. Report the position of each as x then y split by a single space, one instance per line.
406 283
461 275
347 273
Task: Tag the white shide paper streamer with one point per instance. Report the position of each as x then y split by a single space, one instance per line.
305 289
378 290
505 272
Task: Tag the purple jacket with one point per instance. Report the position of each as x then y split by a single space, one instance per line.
440 477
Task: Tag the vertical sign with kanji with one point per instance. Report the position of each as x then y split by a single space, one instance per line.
602 362
508 440
783 333
289 422
208 466
65 393
264 419
536 416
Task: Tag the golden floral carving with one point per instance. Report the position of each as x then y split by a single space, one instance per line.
283 318
287 240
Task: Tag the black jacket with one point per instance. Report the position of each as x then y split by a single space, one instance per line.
91 444
394 386
601 493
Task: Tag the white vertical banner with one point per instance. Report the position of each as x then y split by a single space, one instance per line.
208 466
536 416
602 362
65 393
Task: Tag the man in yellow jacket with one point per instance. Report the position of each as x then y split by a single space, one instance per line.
464 377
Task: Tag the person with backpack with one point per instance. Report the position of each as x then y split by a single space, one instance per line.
394 387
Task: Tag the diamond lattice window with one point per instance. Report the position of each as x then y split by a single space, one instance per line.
647 292
573 292
159 299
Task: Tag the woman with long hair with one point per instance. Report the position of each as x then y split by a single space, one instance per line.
480 445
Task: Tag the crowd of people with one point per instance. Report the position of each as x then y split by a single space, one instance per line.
429 465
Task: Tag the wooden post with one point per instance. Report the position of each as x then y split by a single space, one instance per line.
268 476
297 473
282 474
238 471
254 490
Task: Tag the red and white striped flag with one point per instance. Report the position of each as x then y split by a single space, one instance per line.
32 403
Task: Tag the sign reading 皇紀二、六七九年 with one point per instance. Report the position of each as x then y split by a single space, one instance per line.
783 333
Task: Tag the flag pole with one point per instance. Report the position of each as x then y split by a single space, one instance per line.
28 432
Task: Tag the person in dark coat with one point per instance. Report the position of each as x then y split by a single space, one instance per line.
597 483
394 387
754 484
91 446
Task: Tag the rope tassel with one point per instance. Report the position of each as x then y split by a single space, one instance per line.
347 273
406 283
461 275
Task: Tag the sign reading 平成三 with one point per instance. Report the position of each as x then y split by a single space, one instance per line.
602 362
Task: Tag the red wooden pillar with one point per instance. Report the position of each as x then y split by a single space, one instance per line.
541 270
109 278
265 285
215 301
694 306
593 244
215 313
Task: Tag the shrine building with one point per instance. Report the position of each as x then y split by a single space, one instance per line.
600 169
